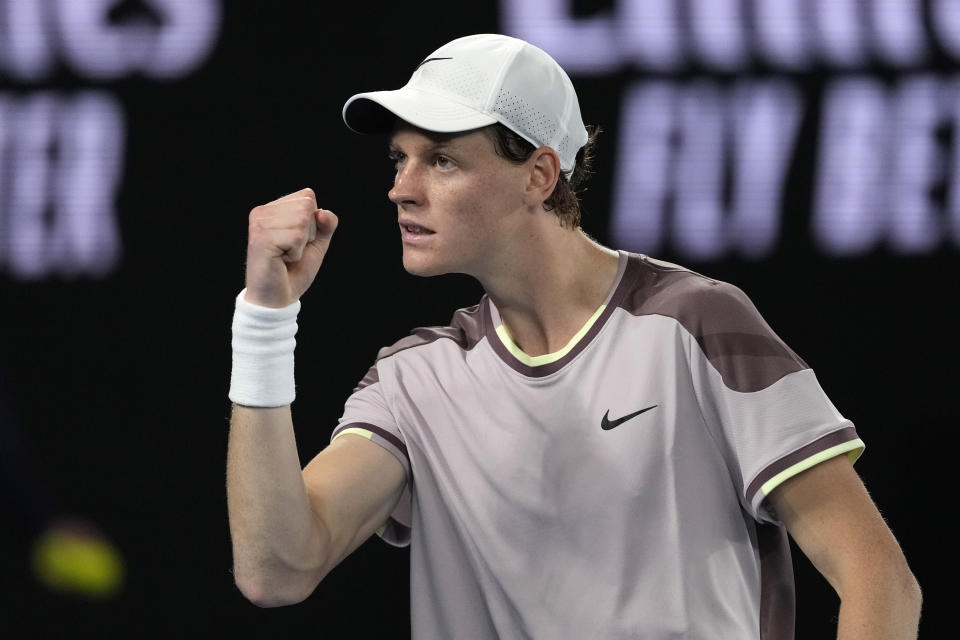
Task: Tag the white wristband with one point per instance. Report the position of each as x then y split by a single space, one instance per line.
263 343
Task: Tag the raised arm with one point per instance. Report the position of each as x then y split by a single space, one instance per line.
829 514
288 527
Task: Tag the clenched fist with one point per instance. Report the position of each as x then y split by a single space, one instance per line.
287 241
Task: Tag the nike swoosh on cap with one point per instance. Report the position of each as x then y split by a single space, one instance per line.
606 424
430 59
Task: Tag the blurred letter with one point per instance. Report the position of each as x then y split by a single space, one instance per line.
6 108
953 194
698 218
99 49
718 33
850 207
94 47
32 137
584 45
649 33
189 32
899 35
84 237
840 28
26 38
917 164
643 166
945 20
782 33
765 119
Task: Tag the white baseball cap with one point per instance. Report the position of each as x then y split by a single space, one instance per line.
474 82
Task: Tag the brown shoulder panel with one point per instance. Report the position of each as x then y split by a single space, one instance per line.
465 329
733 336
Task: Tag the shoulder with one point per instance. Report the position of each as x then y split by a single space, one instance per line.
729 331
693 299
465 330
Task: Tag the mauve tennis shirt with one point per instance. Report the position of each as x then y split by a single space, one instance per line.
613 489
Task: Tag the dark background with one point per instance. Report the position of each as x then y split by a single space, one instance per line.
118 384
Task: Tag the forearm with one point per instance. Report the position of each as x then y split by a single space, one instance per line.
277 541
883 605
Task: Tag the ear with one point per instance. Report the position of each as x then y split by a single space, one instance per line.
544 171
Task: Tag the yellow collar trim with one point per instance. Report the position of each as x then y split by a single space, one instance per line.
547 358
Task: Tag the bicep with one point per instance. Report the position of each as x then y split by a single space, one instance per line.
353 485
833 520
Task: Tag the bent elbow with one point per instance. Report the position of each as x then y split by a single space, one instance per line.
903 583
913 592
269 594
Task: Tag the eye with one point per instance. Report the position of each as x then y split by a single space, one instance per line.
397 157
443 162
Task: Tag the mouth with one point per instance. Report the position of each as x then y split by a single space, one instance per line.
414 233
415 229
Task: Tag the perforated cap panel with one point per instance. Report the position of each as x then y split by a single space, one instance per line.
460 78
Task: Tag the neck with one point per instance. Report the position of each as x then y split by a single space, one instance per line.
549 286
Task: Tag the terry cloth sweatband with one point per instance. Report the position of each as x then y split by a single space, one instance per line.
263 344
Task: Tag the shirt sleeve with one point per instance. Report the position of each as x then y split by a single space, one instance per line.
367 414
761 403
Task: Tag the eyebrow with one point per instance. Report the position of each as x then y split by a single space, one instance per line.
435 145
438 138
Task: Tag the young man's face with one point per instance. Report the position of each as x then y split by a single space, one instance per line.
458 202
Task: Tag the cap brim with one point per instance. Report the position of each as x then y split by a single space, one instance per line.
377 111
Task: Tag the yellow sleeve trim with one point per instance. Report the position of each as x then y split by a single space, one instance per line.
547 358
853 449
357 431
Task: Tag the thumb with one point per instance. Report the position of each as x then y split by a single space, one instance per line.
313 253
326 222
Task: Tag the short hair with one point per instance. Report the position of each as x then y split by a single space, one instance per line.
564 201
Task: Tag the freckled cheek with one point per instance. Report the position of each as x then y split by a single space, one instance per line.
475 212
472 207
485 194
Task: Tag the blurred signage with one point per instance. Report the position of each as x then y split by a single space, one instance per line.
710 121
62 150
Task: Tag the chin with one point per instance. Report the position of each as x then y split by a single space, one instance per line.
419 265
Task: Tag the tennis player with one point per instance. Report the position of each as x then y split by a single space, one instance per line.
605 446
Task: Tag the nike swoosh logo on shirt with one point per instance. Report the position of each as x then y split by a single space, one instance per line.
606 424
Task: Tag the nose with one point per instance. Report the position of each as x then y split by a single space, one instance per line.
407 185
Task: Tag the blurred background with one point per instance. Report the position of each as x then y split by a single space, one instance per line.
807 151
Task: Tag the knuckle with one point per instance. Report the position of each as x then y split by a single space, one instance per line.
256 225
